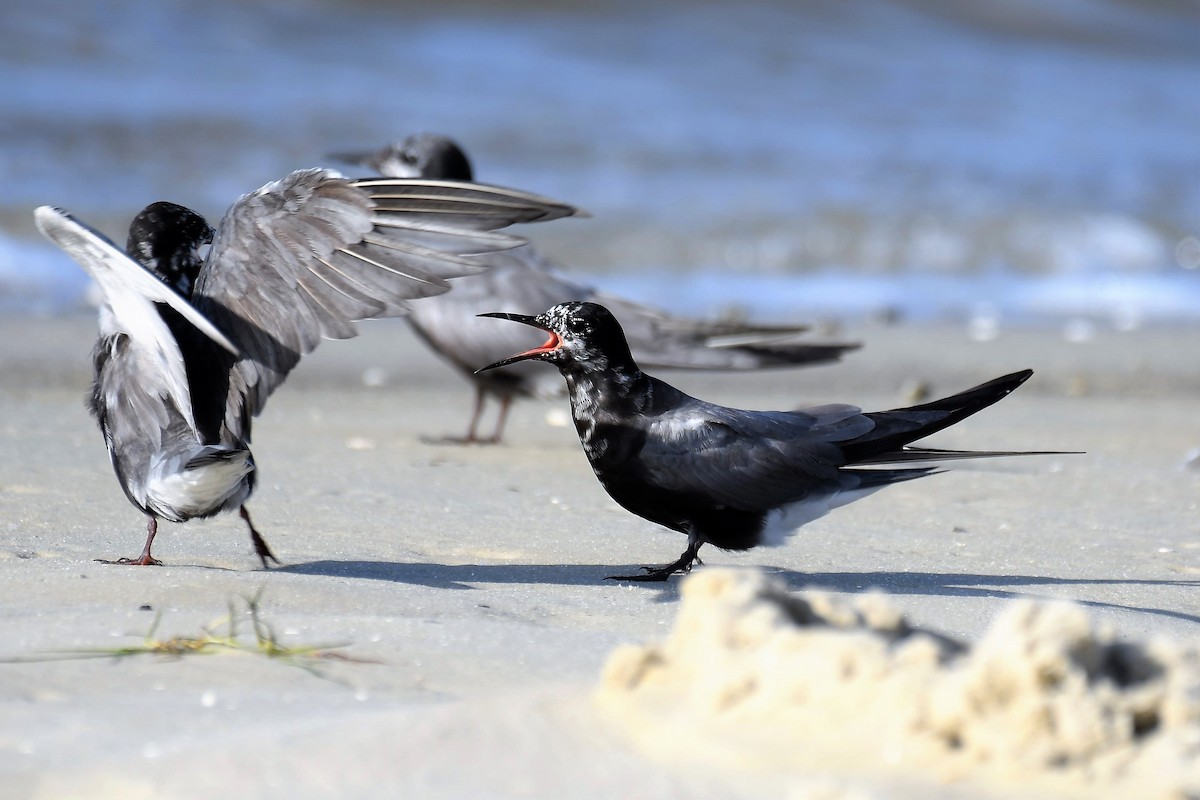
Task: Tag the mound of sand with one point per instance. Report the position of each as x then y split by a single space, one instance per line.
753 677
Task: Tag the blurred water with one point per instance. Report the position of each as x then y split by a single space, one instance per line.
1023 159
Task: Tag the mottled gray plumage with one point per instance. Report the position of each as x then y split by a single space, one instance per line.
523 281
178 378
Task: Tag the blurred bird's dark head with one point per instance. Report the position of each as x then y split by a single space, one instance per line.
168 240
423 155
583 337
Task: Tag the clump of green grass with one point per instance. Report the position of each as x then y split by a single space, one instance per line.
224 635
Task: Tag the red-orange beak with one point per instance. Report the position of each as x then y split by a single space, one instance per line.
549 346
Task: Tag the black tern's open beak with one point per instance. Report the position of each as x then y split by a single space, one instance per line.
550 345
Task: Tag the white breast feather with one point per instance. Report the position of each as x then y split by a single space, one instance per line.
783 522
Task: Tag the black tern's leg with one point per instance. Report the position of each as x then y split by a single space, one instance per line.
684 565
472 436
145 559
260 544
498 431
476 415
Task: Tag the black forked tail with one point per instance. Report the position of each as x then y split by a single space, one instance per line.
894 429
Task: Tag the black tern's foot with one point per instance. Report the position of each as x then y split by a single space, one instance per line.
460 441
658 573
262 551
143 561
683 564
260 544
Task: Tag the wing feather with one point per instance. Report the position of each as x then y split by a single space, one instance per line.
305 257
749 460
478 206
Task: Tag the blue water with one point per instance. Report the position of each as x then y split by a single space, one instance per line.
1033 160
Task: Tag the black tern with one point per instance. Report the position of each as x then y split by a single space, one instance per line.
191 346
731 478
523 281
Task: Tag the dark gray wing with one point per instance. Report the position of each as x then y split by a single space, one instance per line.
304 257
752 460
134 339
522 281
660 340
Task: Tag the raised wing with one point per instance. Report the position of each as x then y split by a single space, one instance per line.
477 206
125 283
305 257
139 362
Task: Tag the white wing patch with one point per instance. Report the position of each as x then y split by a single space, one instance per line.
128 288
678 428
129 293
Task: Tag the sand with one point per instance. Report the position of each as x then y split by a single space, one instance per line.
469 583
757 678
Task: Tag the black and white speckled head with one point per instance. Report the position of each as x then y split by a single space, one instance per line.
423 155
168 239
584 329
583 337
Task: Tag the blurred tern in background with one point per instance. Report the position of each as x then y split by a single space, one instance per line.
522 281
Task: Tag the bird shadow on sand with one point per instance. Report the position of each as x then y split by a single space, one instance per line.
456 576
933 584
1003 587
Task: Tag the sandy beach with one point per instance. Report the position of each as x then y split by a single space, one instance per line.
466 586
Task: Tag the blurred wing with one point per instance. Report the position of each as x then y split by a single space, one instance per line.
523 281
142 360
661 340
305 257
